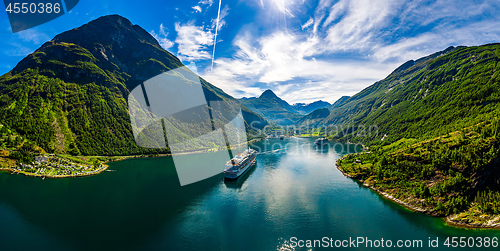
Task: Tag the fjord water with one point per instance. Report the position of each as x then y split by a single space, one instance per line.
292 192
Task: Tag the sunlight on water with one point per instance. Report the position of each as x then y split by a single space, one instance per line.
294 192
284 245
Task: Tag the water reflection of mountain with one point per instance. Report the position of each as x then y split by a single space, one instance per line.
114 210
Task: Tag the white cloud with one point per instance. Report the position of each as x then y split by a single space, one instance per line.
373 29
354 24
192 66
285 63
285 6
206 2
33 36
411 47
18 50
427 12
193 42
20 46
197 8
308 23
222 22
376 35
162 37
438 39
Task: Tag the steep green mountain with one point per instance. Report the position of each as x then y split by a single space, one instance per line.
437 148
342 100
429 97
14 147
245 98
455 175
313 117
70 95
272 108
304 109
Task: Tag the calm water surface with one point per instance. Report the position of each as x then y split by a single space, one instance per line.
295 192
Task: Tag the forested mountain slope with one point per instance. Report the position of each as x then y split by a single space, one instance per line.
441 93
437 149
70 95
313 117
272 108
339 102
304 109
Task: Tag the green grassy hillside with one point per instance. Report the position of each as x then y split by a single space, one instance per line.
437 146
313 117
272 108
454 174
70 95
432 96
339 102
304 109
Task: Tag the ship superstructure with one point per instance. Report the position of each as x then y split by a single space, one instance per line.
240 164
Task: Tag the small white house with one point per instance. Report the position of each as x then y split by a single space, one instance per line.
41 159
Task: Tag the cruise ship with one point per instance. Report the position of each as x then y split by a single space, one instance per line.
321 141
240 164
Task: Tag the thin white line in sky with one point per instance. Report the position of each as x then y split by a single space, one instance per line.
284 14
215 37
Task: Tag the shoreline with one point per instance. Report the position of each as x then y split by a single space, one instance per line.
166 154
448 220
388 196
104 167
61 176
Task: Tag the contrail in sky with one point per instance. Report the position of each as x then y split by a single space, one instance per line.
215 38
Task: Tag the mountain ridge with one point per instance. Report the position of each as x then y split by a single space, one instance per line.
304 109
421 83
339 102
435 144
272 107
313 117
69 96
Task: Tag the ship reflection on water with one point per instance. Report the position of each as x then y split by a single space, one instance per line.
237 183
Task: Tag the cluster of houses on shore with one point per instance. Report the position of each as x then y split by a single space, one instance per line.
55 166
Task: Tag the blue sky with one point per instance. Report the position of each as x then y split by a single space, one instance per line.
304 50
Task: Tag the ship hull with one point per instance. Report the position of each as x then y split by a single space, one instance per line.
321 141
241 171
